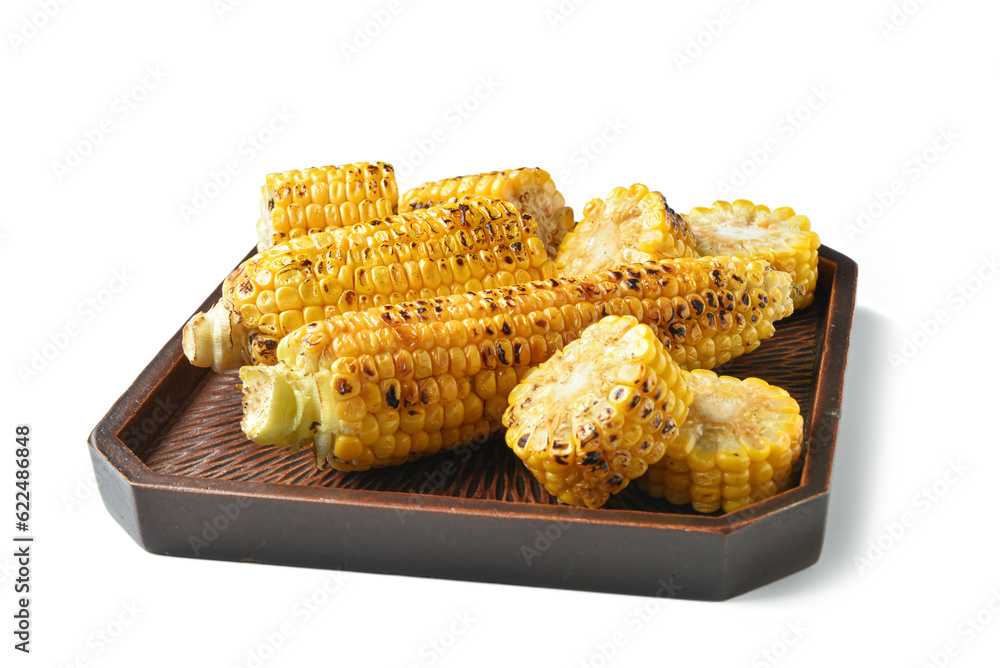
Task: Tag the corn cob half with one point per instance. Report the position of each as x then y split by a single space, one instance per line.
298 202
463 247
738 445
631 225
530 188
597 413
781 237
390 384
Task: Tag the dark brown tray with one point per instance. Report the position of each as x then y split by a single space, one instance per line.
175 471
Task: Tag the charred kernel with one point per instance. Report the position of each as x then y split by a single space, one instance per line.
392 395
591 458
345 387
586 433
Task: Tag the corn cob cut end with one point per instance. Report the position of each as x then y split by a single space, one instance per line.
265 235
745 229
207 340
284 407
632 225
598 413
739 445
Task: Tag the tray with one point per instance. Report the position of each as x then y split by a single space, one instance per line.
174 469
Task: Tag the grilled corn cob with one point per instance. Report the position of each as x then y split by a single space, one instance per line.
463 247
597 413
747 230
631 225
390 384
311 200
738 445
530 188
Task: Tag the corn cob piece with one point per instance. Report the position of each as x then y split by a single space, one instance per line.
463 247
390 384
530 188
597 413
738 445
747 230
631 225
298 202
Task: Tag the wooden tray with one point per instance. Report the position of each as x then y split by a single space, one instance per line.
175 471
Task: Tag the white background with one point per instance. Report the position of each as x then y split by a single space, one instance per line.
818 106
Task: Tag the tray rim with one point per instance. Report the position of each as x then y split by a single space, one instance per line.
815 481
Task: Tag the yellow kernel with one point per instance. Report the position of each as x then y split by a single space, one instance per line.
473 408
412 421
351 410
348 447
266 302
369 432
434 420
384 446
454 414
485 384
419 442
403 444
287 298
291 320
